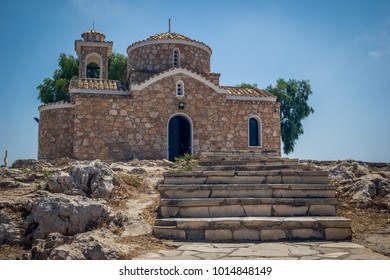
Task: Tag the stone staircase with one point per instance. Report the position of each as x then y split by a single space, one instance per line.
244 196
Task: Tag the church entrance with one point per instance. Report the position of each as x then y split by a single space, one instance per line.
179 136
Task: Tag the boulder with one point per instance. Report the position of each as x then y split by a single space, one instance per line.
65 215
86 247
92 179
9 233
42 248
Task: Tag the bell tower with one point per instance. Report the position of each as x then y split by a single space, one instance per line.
93 54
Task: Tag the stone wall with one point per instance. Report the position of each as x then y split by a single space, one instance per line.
148 60
55 138
124 127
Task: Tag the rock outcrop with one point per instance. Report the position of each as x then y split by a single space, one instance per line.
92 179
67 216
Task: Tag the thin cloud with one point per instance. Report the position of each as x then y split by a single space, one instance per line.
376 54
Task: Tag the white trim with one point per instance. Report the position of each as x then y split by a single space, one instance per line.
99 91
260 129
178 57
181 83
251 98
168 41
54 106
191 131
175 71
100 66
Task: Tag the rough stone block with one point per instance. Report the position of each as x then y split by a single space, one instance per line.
187 193
306 233
246 234
169 233
257 210
167 212
334 222
184 180
195 234
193 224
231 192
338 233
194 212
272 234
249 180
274 179
288 210
221 173
322 210
218 235
227 211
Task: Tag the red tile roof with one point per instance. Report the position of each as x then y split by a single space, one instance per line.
169 36
247 92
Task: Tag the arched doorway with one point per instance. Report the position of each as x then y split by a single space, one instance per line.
179 136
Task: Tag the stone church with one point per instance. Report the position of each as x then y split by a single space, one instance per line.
172 104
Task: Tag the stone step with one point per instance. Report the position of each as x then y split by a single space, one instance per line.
246 177
243 207
246 190
239 229
245 161
251 167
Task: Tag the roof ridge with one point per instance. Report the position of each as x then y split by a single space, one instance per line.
170 69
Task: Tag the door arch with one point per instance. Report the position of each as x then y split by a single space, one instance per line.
179 136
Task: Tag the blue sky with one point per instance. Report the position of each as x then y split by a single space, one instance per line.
341 47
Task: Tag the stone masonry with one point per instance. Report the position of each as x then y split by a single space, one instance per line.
107 122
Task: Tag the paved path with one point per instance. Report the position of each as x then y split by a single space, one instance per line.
271 251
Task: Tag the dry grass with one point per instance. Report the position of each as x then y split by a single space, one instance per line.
149 213
365 221
142 244
129 187
11 252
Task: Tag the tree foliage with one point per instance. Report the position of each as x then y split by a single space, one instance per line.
117 67
247 85
57 88
293 97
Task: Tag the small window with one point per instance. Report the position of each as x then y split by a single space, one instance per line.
176 57
254 132
180 88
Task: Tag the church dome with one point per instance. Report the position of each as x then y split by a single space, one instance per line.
169 36
162 51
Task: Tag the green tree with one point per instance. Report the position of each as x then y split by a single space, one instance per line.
246 85
117 67
57 88
293 97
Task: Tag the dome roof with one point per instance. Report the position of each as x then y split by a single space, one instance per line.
93 35
169 36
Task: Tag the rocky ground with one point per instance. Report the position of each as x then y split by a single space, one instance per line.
95 210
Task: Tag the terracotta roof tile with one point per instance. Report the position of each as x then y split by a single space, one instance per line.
169 36
93 32
247 92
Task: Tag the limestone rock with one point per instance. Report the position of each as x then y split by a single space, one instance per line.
86 247
30 164
43 247
9 233
67 216
93 179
